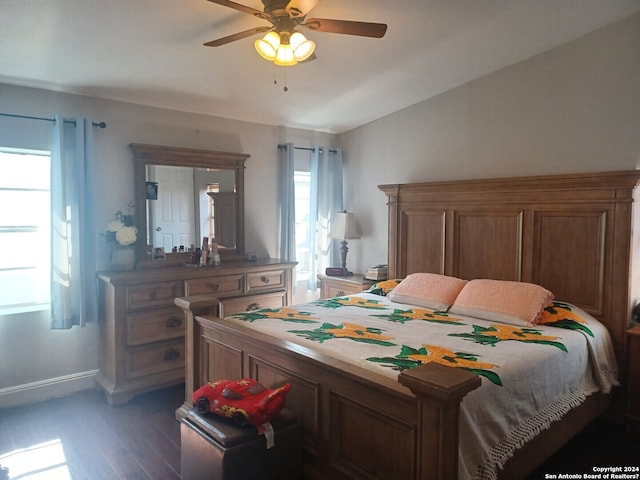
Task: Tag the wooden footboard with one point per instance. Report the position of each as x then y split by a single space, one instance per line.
357 424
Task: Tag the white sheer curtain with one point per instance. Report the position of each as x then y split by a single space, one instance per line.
326 200
73 280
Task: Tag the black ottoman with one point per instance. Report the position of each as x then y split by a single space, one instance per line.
214 448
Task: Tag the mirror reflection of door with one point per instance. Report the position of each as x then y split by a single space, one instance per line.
171 215
224 218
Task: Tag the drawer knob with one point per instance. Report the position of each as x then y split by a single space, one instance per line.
253 306
215 287
153 294
174 322
340 293
264 279
171 354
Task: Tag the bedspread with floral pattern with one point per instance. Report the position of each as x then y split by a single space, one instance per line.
531 376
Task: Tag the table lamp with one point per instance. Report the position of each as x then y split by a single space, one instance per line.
343 228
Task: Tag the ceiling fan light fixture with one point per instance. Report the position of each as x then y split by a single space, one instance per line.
302 48
285 50
268 46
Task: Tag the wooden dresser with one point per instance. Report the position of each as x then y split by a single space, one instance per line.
142 331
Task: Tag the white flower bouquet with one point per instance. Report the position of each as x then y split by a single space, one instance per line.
121 230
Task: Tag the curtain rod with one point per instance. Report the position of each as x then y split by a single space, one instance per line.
95 124
311 149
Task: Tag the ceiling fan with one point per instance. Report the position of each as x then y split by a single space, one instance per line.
283 44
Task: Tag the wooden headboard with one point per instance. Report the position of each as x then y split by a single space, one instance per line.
573 234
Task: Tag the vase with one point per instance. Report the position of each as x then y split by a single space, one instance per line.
123 258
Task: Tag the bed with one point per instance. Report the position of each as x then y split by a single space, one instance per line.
571 234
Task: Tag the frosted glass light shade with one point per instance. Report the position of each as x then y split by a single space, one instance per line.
302 48
267 46
284 56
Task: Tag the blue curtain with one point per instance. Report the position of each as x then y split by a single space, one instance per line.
326 200
287 204
73 276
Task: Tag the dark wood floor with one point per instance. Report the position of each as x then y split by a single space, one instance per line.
86 439
81 437
601 444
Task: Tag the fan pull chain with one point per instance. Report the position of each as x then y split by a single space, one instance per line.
285 88
275 77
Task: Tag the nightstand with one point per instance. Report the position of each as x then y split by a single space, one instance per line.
633 380
338 286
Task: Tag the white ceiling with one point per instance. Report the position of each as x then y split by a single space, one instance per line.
150 52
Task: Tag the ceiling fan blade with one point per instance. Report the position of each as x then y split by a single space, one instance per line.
242 8
347 27
299 8
236 36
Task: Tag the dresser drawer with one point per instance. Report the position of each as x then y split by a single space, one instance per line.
155 325
270 280
229 306
153 294
222 286
330 291
155 358
340 286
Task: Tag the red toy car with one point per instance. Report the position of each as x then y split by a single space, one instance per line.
245 401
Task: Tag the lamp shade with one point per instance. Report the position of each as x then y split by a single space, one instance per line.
343 226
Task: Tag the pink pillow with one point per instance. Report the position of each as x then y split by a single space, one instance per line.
428 290
517 303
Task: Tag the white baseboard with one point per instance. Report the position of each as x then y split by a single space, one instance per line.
45 389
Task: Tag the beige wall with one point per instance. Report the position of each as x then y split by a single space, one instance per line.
573 109
576 108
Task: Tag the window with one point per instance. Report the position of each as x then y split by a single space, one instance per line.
302 181
25 256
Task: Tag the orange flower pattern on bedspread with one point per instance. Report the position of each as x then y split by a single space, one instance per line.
561 315
402 316
286 314
354 301
350 331
497 333
412 357
445 356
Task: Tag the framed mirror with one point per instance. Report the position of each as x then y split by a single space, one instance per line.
184 195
